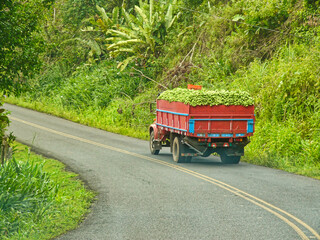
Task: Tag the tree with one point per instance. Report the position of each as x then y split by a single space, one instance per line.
20 43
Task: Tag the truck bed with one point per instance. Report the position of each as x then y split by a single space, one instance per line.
205 121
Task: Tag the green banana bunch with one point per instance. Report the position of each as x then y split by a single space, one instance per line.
207 97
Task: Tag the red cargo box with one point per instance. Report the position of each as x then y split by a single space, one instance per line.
206 121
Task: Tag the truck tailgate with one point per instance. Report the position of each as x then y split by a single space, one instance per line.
206 121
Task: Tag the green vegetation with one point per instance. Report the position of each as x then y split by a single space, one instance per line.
269 49
116 118
207 97
39 199
287 95
20 41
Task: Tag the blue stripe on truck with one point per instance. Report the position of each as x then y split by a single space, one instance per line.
175 113
250 126
223 119
191 126
226 135
250 122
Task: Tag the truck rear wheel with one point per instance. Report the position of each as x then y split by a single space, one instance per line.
177 150
152 145
229 159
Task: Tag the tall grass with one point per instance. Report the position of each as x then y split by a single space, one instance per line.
287 98
26 192
38 199
281 145
89 86
122 116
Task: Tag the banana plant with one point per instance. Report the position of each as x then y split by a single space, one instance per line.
105 22
141 34
101 25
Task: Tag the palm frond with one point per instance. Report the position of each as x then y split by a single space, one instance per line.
130 32
125 63
124 50
142 14
121 43
151 12
118 33
113 39
105 18
115 15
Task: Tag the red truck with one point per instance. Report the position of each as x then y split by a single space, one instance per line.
201 130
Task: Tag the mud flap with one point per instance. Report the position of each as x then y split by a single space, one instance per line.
157 145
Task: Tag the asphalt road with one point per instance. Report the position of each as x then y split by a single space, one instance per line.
150 197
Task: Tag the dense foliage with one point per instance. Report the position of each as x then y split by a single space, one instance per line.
287 95
26 192
20 43
269 49
207 97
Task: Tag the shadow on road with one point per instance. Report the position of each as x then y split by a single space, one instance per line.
208 161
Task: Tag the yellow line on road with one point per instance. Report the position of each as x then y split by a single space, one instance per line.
257 201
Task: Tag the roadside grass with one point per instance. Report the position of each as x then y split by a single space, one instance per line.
105 119
280 145
39 198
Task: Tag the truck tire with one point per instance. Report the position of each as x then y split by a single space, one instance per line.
229 159
177 150
152 145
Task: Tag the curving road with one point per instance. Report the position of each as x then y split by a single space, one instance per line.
150 197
